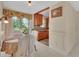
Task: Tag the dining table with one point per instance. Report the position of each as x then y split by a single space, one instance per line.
10 46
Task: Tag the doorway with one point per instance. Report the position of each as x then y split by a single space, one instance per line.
41 25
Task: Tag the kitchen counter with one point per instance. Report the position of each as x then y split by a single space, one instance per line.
39 28
42 33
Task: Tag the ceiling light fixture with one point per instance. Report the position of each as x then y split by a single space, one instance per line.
29 3
5 20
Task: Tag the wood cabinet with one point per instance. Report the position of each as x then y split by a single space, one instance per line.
43 35
38 19
47 22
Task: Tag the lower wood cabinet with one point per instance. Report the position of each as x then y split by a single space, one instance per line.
43 35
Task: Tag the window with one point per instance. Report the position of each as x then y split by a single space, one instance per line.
20 24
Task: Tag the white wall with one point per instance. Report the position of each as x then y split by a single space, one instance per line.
62 30
77 23
71 34
31 37
1 9
1 33
9 29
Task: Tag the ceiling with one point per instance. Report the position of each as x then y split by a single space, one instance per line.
22 6
75 5
45 13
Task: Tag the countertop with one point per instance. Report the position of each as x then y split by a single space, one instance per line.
40 29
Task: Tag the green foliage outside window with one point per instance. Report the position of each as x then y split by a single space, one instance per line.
19 24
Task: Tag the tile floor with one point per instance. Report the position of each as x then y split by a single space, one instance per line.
75 51
45 41
45 51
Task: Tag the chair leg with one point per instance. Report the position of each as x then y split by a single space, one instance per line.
35 47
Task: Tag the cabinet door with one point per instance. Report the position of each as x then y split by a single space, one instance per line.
43 35
38 19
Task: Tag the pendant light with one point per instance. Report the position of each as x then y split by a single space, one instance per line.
4 19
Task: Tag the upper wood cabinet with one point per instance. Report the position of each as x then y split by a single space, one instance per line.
38 19
47 22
